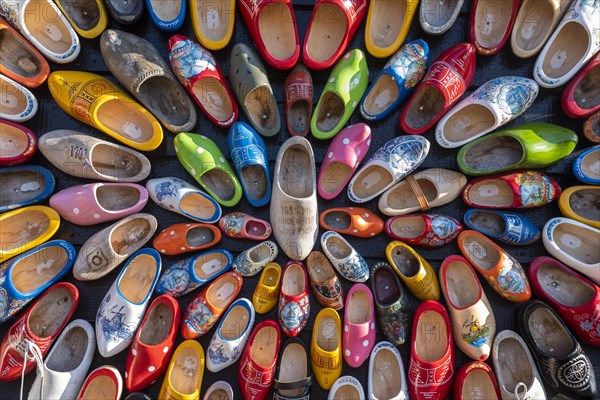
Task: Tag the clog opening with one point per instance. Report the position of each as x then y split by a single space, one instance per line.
126 237
135 284
209 265
100 387
586 93
387 19
166 10
370 181
554 280
20 229
222 292
335 176
487 222
493 153
359 307
19 186
491 193
214 98
347 392
320 268
381 96
331 111
219 183
408 227
198 206
254 178
298 116
462 287
213 18
566 51
326 33
199 236
293 368
533 24
293 280
276 28
263 348
387 377
68 353
549 333
387 291
84 13
219 394
514 365
114 162
477 384
157 326
592 128
256 229
426 104
586 203
481 252
338 248
49 314
402 197
296 172
432 337
186 371
444 10
125 9
492 18
579 243
261 108
125 118
46 25
235 323
406 262
116 198
16 55
468 122
259 254
13 99
172 105
327 333
270 277
339 220
39 268
13 141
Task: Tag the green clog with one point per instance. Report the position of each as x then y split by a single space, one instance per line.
203 159
342 94
533 145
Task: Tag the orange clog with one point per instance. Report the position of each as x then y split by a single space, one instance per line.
182 238
354 221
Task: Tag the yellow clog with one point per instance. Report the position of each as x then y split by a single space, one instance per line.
388 23
26 228
415 271
88 18
326 348
185 372
267 291
581 204
96 101
213 22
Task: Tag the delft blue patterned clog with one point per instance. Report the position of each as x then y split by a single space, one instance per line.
27 184
586 167
186 275
404 70
508 227
249 156
250 262
346 260
176 19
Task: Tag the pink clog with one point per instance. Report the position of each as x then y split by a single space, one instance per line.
343 156
358 338
94 203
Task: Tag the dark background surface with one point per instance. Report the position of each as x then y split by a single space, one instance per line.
546 108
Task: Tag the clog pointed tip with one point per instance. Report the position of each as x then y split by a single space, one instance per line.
175 40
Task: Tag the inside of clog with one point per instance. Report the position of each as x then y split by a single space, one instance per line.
260 253
20 229
478 385
293 280
136 282
487 222
331 110
491 193
579 243
566 51
270 277
85 14
219 394
382 96
13 141
327 333
563 287
405 261
298 116
335 176
117 198
371 180
491 21
263 349
16 55
347 392
219 183
186 371
214 98
586 203
387 290
277 30
326 33
222 292
68 353
514 365
293 367
51 31
462 287
114 162
20 185
39 268
468 123
12 100
590 165
402 197
199 236
533 24
425 105
197 205
493 153
125 118
387 19
296 172
100 387
209 265
235 323
481 252
254 179
320 268
50 312
408 227
432 337
255 228
214 18
262 108
359 307
127 237
592 128
157 326
386 375
338 248
172 105
549 333
443 11
586 93
168 10
339 220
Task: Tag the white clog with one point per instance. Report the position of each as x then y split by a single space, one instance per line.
387 380
250 262
18 104
344 258
345 388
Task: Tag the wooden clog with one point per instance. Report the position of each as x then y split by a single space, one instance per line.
387 25
293 376
183 238
240 225
591 128
359 325
89 17
346 260
491 24
353 221
581 203
184 375
167 15
294 305
220 390
213 22
298 89
346 388
266 293
103 383
387 379
125 12
325 283
586 166
428 230
391 303
326 348
580 98
505 226
24 185
251 261
476 380
438 17
17 104
17 143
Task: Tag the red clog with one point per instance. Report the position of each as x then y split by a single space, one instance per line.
182 238
298 98
257 367
574 297
431 336
40 324
153 345
580 97
104 383
476 380
491 24
17 143
294 303
447 80
353 221
244 226
428 230
331 28
272 26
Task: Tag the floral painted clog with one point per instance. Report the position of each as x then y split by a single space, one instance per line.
344 257
17 143
532 145
266 293
581 203
120 312
344 154
203 159
436 18
228 342
19 103
186 275
345 87
359 325
88 18
491 24
387 25
251 261
293 378
387 379
428 230
414 270
183 238
213 22
502 271
95 100
177 195
513 190
396 81
240 225
206 308
389 165
249 156
586 166
104 383
326 348
294 304
199 73
507 227
475 379
391 303
298 100
24 186
579 99
353 221
167 17
153 344
184 375
39 326
95 203
325 283
346 387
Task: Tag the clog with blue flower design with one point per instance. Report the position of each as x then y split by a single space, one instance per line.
251 261
344 257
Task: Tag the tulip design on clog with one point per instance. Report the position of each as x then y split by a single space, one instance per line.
266 292
359 325
25 185
183 238
240 225
344 257
250 262
294 304
18 143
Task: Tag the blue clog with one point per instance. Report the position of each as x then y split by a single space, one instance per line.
396 81
167 18
186 275
507 227
26 276
586 167
249 156
24 185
